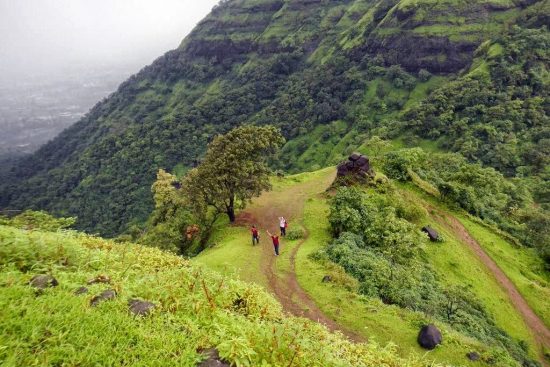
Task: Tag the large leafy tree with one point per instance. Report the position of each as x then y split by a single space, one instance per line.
234 169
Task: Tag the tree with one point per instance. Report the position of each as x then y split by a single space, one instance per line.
234 169
172 226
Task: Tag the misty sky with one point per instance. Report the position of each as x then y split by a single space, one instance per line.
50 36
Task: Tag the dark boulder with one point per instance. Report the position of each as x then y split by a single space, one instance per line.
432 233
212 359
362 161
43 281
354 157
429 337
140 308
473 356
81 290
327 279
103 296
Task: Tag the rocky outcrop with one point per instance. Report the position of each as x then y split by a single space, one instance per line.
213 359
357 167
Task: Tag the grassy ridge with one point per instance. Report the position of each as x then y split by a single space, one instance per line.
194 309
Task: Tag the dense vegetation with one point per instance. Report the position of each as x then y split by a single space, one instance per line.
234 171
327 73
375 242
499 112
194 310
482 192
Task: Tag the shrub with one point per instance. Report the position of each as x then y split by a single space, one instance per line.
295 233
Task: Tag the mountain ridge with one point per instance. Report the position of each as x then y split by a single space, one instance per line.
296 64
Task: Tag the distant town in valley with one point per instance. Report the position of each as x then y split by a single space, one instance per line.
34 109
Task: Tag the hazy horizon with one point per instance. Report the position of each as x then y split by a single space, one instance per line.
53 37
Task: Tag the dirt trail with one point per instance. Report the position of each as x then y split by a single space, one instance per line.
264 214
541 332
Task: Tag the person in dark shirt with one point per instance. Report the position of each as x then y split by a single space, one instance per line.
255 235
275 240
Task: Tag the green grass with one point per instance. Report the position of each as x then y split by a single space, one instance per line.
521 265
339 300
232 253
195 309
369 317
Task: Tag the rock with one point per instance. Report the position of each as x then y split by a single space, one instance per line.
473 356
429 337
357 168
362 161
432 233
140 308
327 279
81 290
212 359
104 279
103 296
43 281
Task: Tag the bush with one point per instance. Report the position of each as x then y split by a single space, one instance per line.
295 233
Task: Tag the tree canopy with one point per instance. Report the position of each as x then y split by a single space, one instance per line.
234 169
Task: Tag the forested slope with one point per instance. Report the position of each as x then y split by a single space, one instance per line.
296 64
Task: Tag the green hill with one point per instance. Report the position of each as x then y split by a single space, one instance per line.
195 310
295 278
338 69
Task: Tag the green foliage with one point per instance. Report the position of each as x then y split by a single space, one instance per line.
377 221
295 233
480 191
38 220
501 117
384 253
234 170
169 226
298 68
195 309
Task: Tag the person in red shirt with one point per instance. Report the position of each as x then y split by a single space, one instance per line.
275 240
255 235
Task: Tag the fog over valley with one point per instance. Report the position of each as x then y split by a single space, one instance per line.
58 58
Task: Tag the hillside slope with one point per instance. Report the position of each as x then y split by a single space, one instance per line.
295 277
195 310
296 64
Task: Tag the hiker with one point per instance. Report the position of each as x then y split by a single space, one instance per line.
275 239
282 226
255 235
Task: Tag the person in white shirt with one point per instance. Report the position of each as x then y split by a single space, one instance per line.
282 225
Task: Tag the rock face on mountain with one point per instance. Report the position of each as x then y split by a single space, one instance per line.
298 64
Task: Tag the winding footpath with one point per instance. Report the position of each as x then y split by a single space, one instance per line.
264 213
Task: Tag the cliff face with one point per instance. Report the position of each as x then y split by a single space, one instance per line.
295 64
